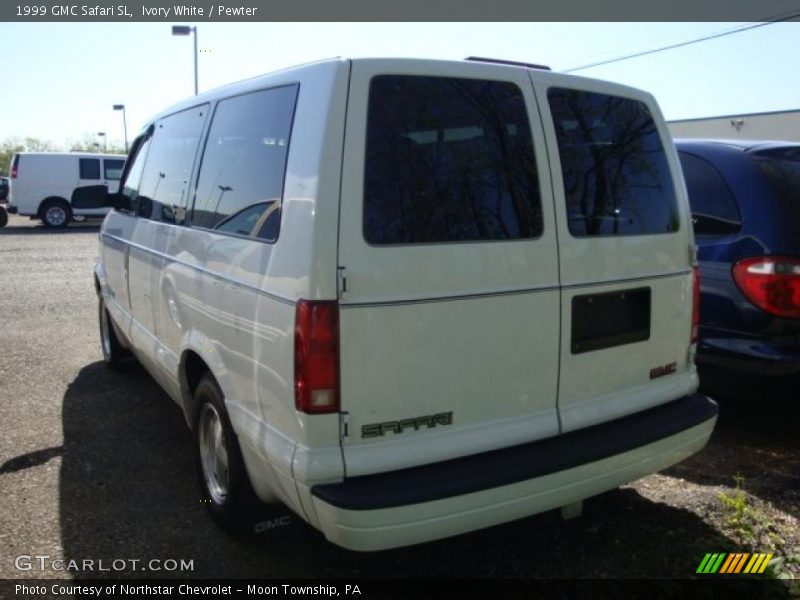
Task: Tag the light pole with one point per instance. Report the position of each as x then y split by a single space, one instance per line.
186 30
124 123
102 134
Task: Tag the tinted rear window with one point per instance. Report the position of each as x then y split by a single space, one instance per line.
240 185
616 176
781 167
448 160
714 209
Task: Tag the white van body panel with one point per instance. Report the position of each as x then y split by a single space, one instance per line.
480 330
43 175
613 382
231 300
414 312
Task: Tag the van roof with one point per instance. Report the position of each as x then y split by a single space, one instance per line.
283 75
77 154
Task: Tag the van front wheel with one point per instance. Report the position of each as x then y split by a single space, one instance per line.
113 351
55 214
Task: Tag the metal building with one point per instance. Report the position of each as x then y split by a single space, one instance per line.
778 125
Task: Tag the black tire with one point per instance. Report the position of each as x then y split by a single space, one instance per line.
55 214
225 487
114 353
3 217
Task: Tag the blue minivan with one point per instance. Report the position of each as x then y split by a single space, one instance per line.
745 201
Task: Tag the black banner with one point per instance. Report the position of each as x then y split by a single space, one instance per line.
422 589
128 11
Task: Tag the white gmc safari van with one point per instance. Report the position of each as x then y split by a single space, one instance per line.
408 299
45 185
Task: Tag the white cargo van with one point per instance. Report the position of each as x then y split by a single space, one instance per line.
408 299
44 184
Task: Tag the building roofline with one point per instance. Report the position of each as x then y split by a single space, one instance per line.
737 115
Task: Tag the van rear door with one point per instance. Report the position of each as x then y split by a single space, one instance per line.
449 301
625 247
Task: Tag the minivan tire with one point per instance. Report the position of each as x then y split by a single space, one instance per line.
55 214
225 486
3 217
114 352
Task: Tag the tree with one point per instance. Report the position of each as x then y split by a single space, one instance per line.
90 143
11 146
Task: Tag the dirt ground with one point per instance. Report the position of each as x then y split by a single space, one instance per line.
98 465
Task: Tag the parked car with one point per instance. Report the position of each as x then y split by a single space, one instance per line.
745 200
3 196
408 299
44 184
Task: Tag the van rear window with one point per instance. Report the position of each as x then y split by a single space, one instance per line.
781 168
616 177
448 160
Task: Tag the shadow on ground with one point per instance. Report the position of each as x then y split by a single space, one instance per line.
23 227
756 438
128 491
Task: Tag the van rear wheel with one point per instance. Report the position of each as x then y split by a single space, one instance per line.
56 214
3 217
225 487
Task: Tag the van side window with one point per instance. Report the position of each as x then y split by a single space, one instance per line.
112 168
130 187
240 186
616 177
165 185
714 210
89 168
448 160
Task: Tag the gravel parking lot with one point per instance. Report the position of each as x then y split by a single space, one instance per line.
98 465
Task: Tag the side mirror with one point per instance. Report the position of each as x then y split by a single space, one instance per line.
119 201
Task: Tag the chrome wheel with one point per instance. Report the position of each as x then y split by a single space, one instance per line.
213 453
55 215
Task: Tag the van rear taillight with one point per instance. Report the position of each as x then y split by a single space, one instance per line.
772 283
316 357
15 167
695 304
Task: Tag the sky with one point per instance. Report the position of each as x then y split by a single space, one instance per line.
61 80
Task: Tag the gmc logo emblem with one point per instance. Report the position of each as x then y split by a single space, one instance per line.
663 370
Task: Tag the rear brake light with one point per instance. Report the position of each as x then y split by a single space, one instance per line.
772 283
316 357
695 304
15 167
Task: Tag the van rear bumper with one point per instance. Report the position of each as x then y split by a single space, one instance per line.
12 210
424 503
